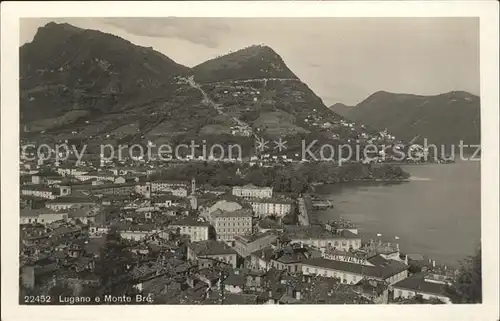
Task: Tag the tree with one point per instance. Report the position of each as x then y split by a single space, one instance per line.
113 267
467 288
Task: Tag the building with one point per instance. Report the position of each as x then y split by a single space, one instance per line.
228 224
221 205
70 170
137 232
252 191
165 201
268 206
106 189
67 202
41 216
46 178
84 214
175 188
423 284
104 175
290 257
247 244
390 271
373 290
267 225
143 189
215 250
41 191
197 230
319 237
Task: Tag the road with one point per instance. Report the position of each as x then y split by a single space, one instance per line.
208 101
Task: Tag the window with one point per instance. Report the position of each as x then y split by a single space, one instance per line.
400 293
307 270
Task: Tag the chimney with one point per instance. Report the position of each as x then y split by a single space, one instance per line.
406 259
433 263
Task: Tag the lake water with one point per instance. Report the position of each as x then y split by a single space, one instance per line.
437 214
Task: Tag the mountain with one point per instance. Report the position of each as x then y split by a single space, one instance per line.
442 119
66 68
253 62
96 88
340 108
77 83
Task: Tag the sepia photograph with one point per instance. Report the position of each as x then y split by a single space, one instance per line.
182 160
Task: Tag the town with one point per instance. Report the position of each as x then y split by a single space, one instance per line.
118 230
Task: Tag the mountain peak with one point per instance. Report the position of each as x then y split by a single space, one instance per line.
252 62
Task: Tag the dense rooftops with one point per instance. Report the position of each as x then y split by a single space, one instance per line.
211 247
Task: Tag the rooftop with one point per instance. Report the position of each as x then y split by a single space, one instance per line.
317 232
274 200
190 221
417 282
382 271
253 237
237 213
27 212
251 186
269 224
211 247
72 199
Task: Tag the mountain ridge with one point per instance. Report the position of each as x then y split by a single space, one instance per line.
444 118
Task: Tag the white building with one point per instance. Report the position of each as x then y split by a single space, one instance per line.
269 206
352 273
250 191
228 224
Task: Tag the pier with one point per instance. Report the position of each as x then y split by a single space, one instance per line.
305 209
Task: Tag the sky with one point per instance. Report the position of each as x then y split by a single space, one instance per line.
343 60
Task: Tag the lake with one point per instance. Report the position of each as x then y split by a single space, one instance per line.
436 214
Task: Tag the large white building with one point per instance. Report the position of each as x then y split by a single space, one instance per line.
270 206
228 224
175 188
249 191
390 271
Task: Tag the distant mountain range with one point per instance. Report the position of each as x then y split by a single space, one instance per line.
442 119
89 86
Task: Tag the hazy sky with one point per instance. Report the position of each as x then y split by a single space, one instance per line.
341 59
